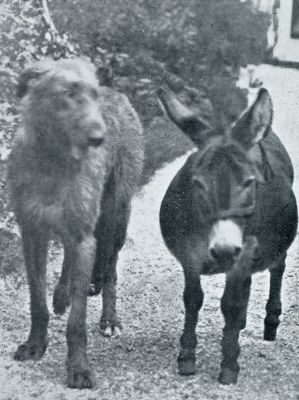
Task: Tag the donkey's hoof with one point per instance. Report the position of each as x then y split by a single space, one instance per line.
80 379
31 351
186 367
110 328
270 333
228 376
186 362
61 299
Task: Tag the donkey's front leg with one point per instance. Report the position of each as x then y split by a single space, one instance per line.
233 305
193 299
82 255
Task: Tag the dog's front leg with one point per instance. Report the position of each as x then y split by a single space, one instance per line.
35 247
61 298
82 254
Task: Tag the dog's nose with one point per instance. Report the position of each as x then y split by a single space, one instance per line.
97 133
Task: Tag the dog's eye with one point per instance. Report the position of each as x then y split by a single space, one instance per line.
94 93
70 93
73 90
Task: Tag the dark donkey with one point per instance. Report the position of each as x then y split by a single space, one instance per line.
229 209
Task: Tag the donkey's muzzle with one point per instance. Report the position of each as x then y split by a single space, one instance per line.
225 254
226 241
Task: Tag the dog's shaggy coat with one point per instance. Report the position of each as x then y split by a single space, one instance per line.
75 165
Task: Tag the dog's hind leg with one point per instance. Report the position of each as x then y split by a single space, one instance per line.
110 324
110 234
35 246
104 234
82 257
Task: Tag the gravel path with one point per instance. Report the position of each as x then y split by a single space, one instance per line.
142 363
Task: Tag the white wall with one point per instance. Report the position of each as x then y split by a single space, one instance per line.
286 49
264 5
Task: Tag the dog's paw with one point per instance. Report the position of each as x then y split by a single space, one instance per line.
110 328
31 350
79 377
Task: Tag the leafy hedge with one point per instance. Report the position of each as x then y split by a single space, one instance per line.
195 46
197 43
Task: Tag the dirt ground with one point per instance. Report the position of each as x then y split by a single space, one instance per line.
141 364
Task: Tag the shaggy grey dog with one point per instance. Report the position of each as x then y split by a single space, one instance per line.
75 165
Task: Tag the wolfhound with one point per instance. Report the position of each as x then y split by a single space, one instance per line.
75 165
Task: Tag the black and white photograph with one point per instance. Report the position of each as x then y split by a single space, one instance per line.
149 181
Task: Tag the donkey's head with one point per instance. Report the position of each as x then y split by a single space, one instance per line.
223 177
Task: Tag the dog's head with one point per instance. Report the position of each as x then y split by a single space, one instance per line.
60 106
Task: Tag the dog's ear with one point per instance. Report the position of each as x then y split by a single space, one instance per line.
26 79
105 76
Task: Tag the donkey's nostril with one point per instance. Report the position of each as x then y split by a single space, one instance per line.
224 253
214 253
237 251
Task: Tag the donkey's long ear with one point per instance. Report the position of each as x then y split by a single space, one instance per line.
26 79
255 123
184 118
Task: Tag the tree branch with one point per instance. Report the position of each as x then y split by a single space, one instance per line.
47 16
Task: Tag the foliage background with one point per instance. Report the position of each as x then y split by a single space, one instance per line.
195 46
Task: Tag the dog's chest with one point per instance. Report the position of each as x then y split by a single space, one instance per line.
68 205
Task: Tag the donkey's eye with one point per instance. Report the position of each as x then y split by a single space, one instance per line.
248 182
247 195
199 183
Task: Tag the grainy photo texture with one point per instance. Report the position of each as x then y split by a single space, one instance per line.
149 172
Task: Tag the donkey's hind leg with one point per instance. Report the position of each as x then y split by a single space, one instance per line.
273 307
